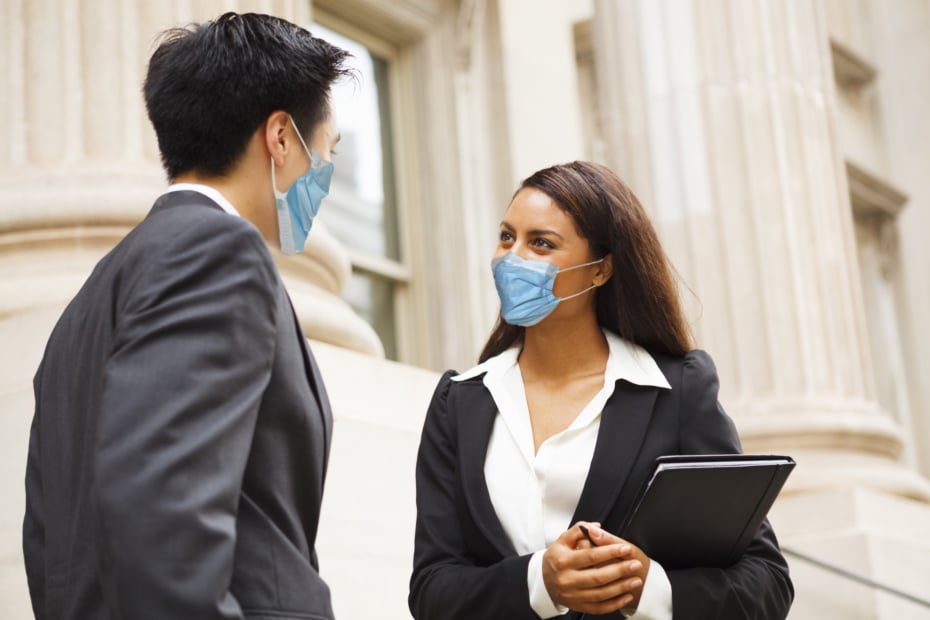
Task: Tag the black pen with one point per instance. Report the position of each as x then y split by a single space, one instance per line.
587 535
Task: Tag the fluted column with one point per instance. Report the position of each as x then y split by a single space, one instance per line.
722 116
79 159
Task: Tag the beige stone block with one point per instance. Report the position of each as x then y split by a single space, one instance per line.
876 535
369 509
20 357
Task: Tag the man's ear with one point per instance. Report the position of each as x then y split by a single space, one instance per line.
605 269
276 130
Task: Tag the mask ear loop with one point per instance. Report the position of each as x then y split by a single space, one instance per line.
274 183
577 294
594 262
314 158
593 286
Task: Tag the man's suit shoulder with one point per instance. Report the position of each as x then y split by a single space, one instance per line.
195 229
196 220
182 244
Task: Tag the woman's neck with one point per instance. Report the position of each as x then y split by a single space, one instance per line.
563 350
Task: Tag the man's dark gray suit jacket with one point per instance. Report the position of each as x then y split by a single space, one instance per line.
179 444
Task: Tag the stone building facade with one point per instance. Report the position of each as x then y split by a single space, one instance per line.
781 147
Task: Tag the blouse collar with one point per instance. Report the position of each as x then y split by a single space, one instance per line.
625 361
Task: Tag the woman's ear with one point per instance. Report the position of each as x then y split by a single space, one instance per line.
605 269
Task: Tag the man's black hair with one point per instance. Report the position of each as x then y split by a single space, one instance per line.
210 86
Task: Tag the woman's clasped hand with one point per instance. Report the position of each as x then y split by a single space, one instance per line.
594 579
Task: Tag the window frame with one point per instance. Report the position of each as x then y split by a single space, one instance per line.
399 273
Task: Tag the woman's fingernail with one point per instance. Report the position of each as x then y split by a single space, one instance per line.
635 565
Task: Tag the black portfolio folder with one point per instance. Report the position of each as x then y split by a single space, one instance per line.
703 510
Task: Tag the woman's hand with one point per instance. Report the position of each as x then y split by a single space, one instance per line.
594 579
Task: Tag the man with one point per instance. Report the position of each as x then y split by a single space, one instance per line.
181 429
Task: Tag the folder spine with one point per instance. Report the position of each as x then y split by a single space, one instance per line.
765 500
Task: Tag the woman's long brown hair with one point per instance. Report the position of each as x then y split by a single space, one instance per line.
640 301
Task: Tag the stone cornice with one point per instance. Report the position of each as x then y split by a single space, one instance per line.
850 68
398 21
872 195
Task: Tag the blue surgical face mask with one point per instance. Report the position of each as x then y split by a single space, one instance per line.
300 204
525 288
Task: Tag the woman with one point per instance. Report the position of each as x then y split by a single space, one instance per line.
588 376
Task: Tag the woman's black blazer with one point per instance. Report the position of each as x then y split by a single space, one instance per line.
465 567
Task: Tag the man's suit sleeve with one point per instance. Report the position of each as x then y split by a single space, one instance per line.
181 390
758 585
447 582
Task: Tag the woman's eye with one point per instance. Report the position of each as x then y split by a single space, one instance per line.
506 236
543 243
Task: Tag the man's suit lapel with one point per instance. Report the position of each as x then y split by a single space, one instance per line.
476 411
623 425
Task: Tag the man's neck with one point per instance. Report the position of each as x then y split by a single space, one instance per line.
220 184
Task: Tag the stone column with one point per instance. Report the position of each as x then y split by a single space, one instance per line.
78 154
722 117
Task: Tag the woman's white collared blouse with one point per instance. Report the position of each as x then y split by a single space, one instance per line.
535 495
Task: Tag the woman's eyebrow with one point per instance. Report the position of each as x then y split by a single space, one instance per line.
546 231
535 231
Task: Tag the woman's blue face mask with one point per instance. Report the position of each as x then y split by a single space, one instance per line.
525 288
300 204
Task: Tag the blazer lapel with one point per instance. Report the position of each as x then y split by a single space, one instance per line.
623 425
475 412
